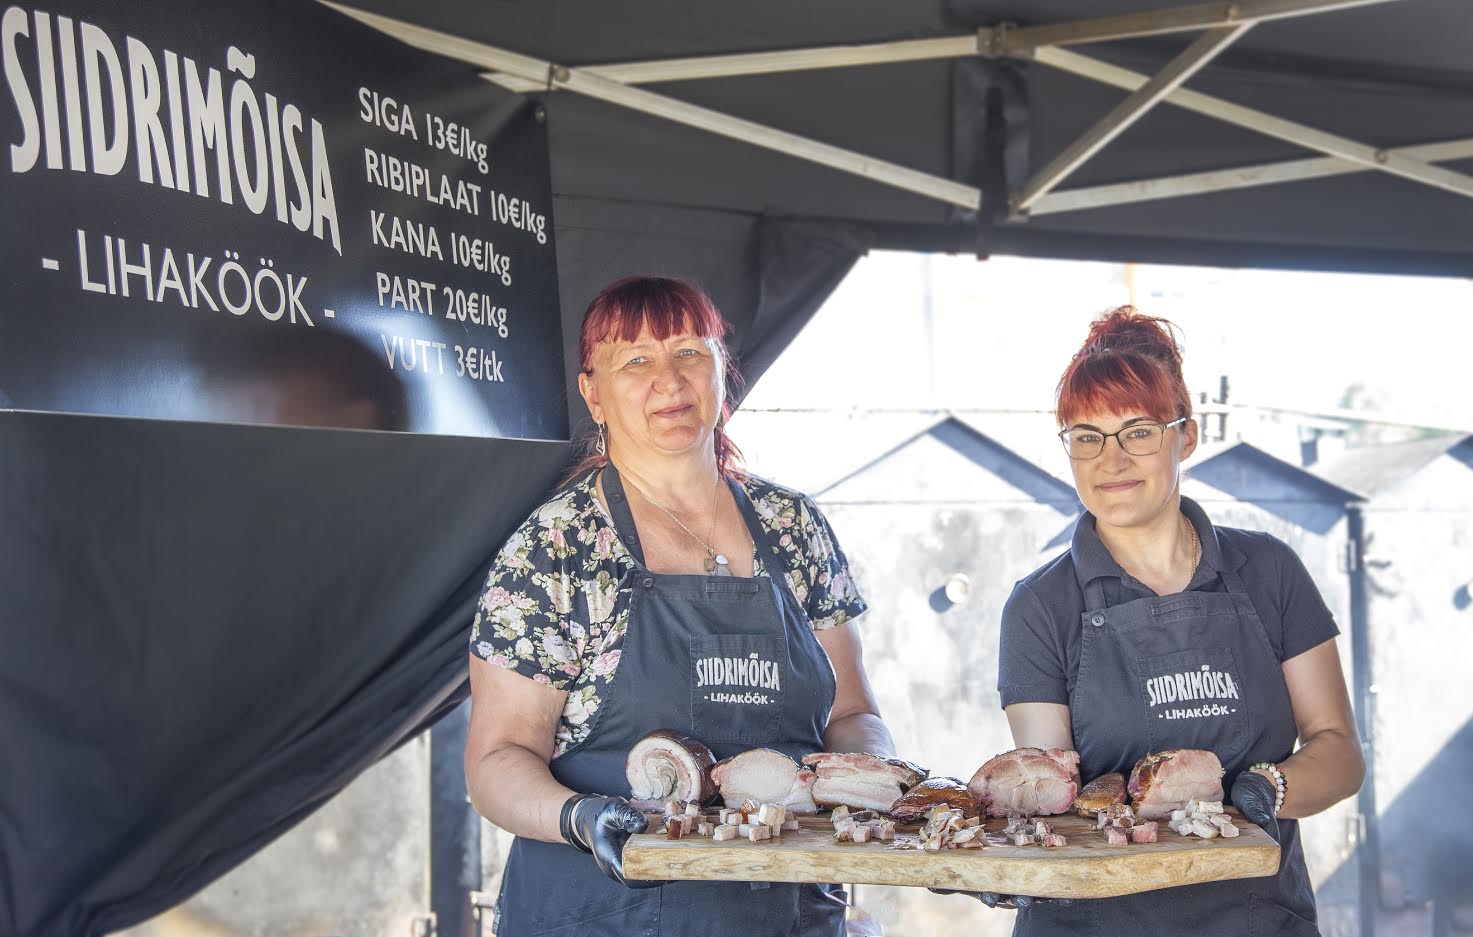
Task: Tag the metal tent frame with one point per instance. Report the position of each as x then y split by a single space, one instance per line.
1221 24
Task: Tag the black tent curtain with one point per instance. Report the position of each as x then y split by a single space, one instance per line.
209 631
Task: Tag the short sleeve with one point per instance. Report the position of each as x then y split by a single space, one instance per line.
1307 621
525 619
828 592
1031 656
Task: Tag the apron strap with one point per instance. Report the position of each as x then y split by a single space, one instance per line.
760 535
1233 581
628 533
1094 595
622 516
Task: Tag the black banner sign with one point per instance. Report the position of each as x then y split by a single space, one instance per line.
268 213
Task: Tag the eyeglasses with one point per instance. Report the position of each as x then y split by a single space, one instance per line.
1144 438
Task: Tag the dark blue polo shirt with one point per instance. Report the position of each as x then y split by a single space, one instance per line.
1041 631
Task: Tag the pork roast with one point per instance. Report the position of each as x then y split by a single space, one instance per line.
1027 781
1164 781
1100 794
764 776
946 792
860 780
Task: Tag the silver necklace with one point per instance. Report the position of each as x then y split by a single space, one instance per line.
715 563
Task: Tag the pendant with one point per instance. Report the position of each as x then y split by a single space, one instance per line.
716 564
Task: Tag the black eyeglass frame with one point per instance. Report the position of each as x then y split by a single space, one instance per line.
1105 438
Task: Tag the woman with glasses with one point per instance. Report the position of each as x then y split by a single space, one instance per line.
1159 630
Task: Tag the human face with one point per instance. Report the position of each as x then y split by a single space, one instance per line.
658 397
1125 490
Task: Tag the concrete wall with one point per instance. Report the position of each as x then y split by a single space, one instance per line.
355 868
1420 563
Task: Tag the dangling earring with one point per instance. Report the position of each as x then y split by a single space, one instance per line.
602 446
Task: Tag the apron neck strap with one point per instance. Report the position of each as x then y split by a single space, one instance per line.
1094 595
623 518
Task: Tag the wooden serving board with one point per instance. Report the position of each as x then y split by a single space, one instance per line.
1086 868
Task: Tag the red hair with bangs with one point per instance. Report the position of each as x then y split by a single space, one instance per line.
668 306
1129 363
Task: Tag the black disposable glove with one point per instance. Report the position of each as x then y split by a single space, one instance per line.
997 900
1254 795
601 826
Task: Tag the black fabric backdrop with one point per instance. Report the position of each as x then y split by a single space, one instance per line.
206 631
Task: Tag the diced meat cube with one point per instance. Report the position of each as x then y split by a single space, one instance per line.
1115 836
674 829
706 829
1052 840
1143 832
758 833
770 815
790 824
1204 829
725 832
861 834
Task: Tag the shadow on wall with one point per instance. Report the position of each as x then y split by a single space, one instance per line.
1427 841
1286 491
1006 465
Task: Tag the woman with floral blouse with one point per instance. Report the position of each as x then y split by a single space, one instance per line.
659 552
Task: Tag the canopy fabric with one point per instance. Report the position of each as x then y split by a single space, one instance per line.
1387 75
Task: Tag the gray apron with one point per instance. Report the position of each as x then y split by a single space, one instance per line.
1190 670
676 621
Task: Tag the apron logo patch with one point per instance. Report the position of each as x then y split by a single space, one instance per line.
1192 686
751 672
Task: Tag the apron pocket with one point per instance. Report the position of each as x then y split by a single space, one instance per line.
1194 699
1266 917
737 687
631 913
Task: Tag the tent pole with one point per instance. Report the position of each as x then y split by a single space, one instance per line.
1330 144
550 74
1223 180
1127 112
767 63
1022 40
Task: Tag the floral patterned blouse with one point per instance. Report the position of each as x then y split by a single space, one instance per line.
556 604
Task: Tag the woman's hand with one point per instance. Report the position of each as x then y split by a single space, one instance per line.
1253 795
602 825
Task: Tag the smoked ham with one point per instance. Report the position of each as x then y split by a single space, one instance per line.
765 777
1164 781
857 779
1100 794
1027 782
945 792
666 765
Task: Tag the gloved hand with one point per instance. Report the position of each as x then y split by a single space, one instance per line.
997 900
601 826
1254 795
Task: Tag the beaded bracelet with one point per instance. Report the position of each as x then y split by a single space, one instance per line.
1281 785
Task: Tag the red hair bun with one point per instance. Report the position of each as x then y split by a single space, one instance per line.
1129 363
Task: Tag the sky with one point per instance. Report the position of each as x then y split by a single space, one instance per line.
1001 330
